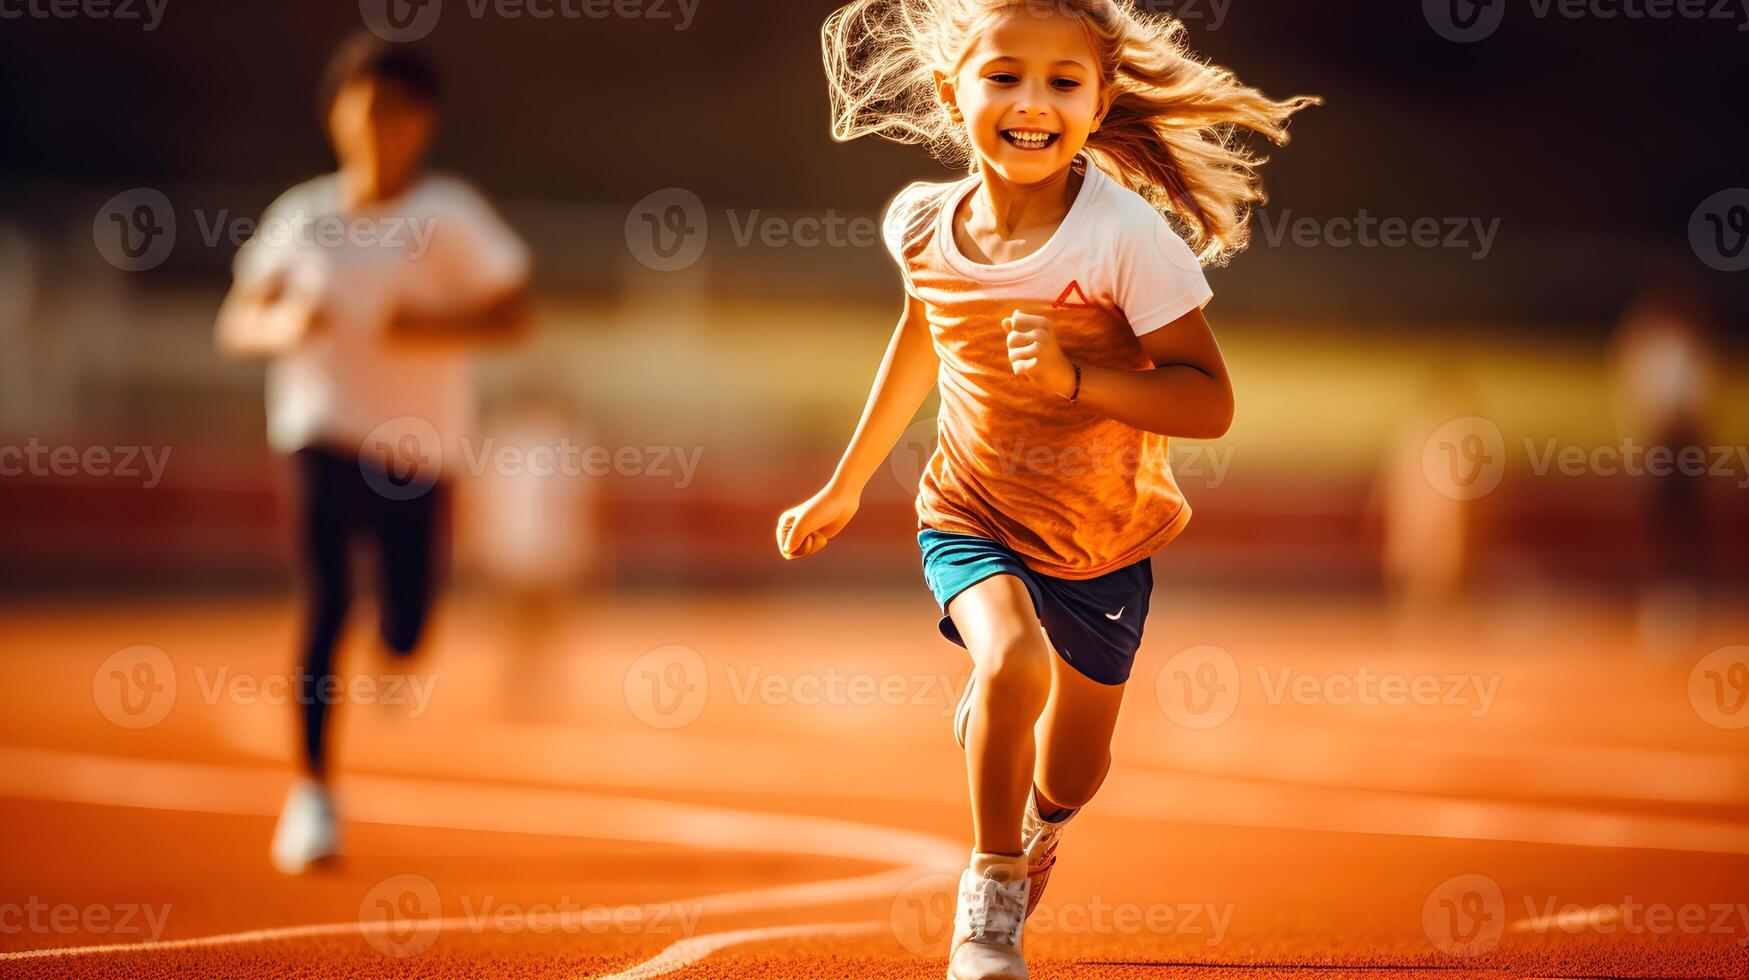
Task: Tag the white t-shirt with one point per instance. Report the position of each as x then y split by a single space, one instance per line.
1112 250
438 249
1074 493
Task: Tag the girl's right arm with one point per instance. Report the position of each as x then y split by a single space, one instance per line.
906 375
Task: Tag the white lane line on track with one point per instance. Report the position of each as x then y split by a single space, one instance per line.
701 945
1194 798
458 805
1191 795
191 787
686 952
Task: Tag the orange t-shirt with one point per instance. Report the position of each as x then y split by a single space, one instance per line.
1073 493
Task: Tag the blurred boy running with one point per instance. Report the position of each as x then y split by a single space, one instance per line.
365 289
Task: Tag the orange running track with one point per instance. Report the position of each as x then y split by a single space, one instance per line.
766 787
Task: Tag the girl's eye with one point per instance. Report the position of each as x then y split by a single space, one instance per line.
1002 78
1066 84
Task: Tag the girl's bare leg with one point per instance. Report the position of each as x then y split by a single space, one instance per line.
1074 737
1011 665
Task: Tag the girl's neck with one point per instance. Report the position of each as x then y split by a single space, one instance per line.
1010 208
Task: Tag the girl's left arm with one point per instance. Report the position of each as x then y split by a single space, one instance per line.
1187 393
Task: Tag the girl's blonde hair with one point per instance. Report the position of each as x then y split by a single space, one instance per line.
1171 134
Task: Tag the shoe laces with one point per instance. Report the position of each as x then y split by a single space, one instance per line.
1040 836
992 911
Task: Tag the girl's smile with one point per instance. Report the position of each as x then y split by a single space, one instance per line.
1028 92
1029 139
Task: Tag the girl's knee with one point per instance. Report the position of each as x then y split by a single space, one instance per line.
1075 788
1015 670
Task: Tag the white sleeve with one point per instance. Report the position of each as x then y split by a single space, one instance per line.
470 256
1158 277
271 251
900 225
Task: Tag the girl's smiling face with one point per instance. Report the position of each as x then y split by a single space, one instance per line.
1028 92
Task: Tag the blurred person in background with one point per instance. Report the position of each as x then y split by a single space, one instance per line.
534 530
366 289
1428 540
1663 359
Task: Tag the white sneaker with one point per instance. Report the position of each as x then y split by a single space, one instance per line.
1040 838
308 830
989 920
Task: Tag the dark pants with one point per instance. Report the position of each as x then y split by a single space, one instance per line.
337 505
1676 504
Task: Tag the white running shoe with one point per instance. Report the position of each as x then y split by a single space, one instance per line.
308 830
1040 838
989 920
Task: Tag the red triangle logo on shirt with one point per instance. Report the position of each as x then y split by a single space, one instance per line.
1072 297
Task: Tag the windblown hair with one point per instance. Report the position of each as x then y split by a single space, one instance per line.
1172 133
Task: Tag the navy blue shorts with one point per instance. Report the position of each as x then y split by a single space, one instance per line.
1095 624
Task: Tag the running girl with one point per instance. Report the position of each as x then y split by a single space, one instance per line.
369 384
1050 297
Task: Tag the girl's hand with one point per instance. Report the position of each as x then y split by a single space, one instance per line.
806 527
1034 354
